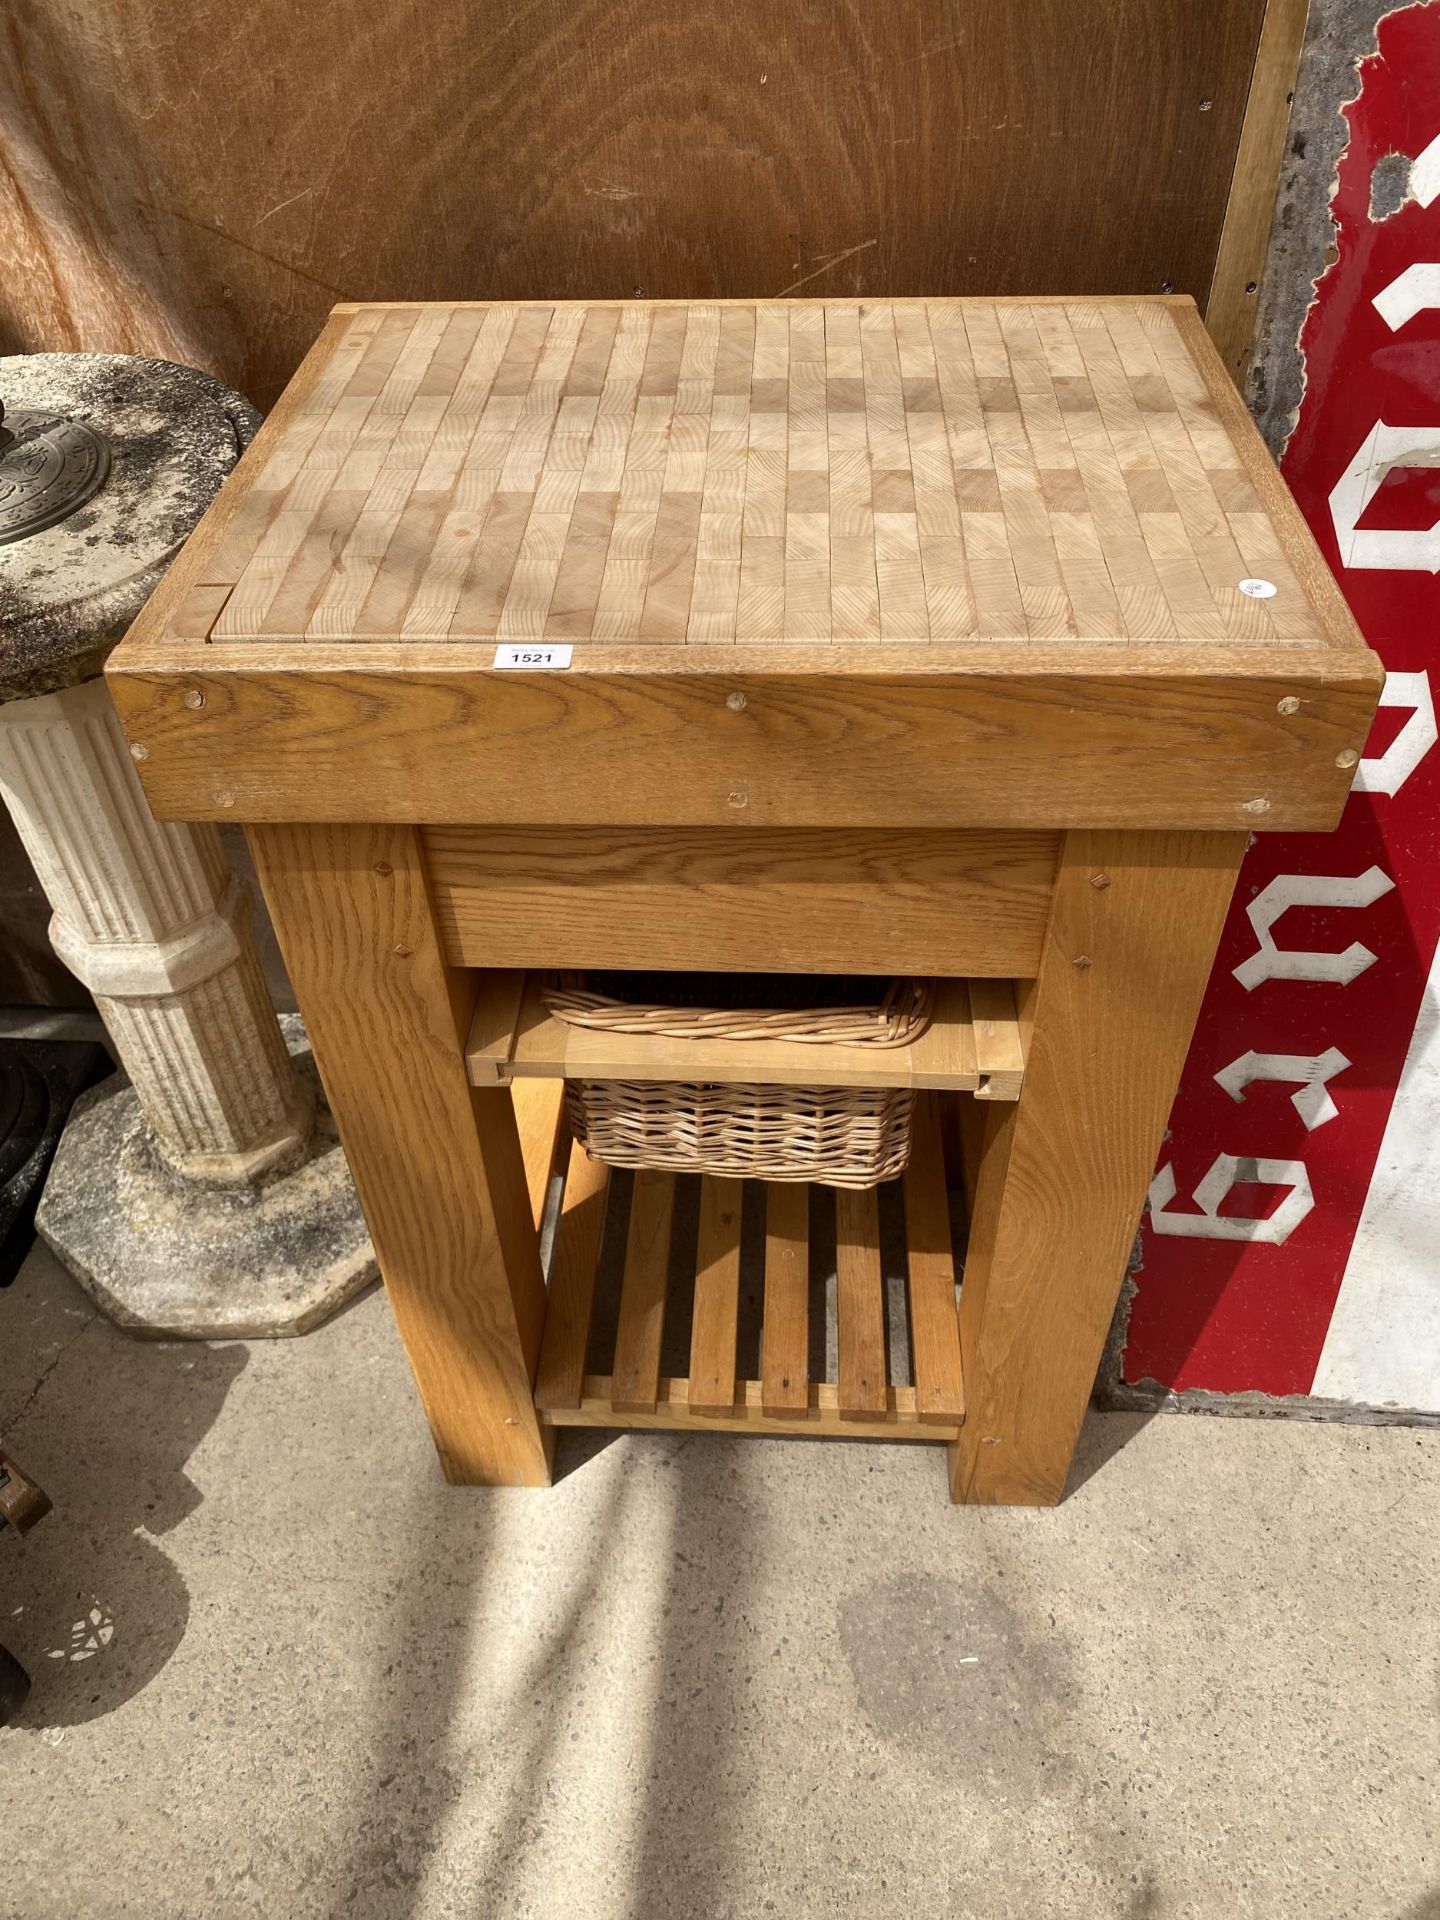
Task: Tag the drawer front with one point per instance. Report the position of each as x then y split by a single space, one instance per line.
777 900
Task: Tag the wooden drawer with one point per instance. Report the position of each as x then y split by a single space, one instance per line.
744 900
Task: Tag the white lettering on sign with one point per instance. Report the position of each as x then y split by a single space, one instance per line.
1425 174
1228 1170
1397 549
534 658
1414 291
1391 769
1270 962
1312 1070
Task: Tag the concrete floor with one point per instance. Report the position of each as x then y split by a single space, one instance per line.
282 1670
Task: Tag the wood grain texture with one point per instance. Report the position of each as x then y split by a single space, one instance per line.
995 1031
934 1329
634 1393
209 210
1187 739
1279 523
1063 1176
857 902
436 1163
1231 306
860 1306
542 1046
642 1293
717 1297
918 472
540 1120
561 1372
499 994
785 1340
673 1413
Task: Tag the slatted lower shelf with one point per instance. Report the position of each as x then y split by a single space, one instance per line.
627 1271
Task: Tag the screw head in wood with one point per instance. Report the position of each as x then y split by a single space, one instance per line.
1260 805
1288 705
193 697
137 752
1081 962
401 950
738 797
1100 881
735 701
223 799
1346 757
384 869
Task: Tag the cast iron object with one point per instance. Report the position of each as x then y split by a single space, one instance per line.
49 466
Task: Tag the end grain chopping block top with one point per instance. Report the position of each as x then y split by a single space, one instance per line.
1020 563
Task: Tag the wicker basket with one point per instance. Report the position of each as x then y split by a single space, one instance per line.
836 1136
825 1011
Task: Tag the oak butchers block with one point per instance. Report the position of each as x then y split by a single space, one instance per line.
949 638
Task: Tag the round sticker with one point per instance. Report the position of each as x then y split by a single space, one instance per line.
1259 589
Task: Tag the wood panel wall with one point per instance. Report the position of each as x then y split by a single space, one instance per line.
203 180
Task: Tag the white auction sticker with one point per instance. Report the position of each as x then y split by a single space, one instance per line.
534 659
1259 589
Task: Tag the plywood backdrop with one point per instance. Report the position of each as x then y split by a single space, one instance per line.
203 180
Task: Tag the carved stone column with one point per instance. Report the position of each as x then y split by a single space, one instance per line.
204 1192
153 922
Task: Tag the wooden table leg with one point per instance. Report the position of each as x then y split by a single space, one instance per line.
437 1163
1063 1174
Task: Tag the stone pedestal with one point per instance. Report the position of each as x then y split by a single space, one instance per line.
203 1192
150 918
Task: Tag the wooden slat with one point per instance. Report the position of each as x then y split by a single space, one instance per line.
1231 307
995 1033
540 1118
934 1326
492 1031
1196 738
785 1357
559 1378
860 1306
836 902
642 1293
717 1297
673 1413
541 1045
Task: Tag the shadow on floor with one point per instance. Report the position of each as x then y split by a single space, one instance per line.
675 1645
1102 1437
422 1761
92 1604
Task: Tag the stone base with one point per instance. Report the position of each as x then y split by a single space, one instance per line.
170 1259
